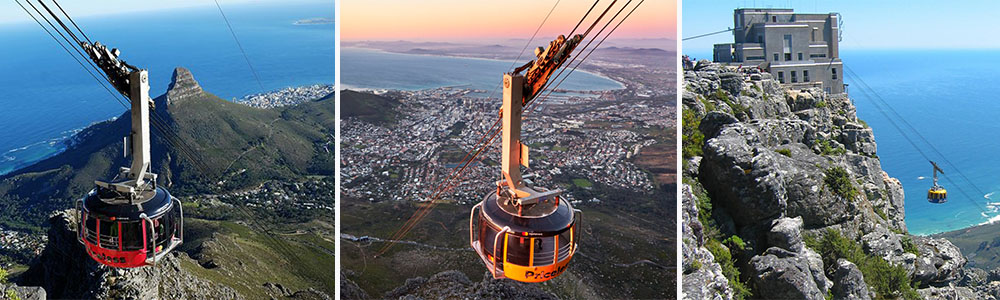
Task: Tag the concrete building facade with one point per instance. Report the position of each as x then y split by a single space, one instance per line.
800 50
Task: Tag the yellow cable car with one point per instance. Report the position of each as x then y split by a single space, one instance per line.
937 194
530 245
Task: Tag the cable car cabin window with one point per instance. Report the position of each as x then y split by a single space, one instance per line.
487 234
132 236
109 234
565 244
518 249
545 253
164 228
90 231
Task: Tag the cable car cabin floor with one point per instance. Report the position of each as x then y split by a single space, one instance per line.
245 259
608 265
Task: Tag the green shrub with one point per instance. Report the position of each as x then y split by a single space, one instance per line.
888 281
692 139
735 242
881 214
826 149
721 95
725 260
8 294
709 106
840 183
695 265
909 246
821 104
738 108
785 152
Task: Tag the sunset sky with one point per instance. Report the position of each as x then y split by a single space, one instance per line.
449 20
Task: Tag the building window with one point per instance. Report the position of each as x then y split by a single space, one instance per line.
805 75
814 55
787 39
760 39
834 73
775 57
774 18
794 79
800 55
781 77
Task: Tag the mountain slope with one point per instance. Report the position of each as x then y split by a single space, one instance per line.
228 146
366 106
785 197
257 213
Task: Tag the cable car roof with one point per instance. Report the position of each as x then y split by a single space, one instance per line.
547 225
155 206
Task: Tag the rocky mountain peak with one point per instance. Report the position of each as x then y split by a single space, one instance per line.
768 168
182 85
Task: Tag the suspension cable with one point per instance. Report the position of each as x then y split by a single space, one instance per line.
421 213
456 171
879 102
238 44
708 34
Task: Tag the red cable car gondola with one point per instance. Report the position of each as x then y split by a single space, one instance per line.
129 221
119 234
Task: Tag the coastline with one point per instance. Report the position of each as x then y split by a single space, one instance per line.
59 144
591 72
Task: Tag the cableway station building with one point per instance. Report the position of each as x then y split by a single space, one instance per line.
800 50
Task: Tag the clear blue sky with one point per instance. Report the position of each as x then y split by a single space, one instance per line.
10 12
920 24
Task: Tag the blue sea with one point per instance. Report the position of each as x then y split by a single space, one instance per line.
46 96
952 97
374 69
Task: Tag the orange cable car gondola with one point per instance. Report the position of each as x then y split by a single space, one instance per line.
937 194
524 233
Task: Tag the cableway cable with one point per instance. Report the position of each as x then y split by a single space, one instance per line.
447 187
708 34
879 102
238 44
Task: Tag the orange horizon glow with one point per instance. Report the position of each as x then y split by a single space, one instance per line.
444 20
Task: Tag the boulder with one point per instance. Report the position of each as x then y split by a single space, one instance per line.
848 282
781 274
940 262
786 233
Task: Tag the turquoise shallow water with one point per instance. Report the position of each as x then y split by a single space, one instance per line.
46 96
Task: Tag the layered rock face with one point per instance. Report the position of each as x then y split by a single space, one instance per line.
182 85
779 165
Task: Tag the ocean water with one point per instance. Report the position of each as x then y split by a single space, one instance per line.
952 98
374 69
46 96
